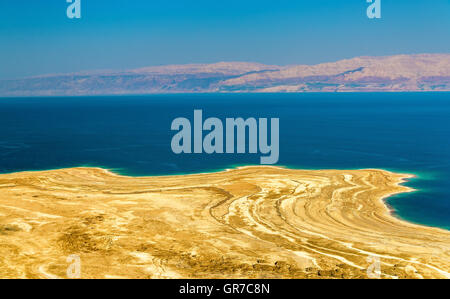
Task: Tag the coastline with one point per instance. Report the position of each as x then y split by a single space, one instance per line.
392 210
318 223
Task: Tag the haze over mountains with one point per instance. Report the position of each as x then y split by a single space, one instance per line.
424 72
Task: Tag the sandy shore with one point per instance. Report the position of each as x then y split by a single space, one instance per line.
252 222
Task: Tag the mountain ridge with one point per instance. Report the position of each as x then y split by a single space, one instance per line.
417 72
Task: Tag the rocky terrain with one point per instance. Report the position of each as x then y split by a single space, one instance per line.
425 72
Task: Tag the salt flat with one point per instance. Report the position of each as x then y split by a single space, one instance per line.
251 222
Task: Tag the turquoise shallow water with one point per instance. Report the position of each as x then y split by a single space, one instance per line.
402 132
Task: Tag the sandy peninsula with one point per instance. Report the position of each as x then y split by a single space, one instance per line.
252 222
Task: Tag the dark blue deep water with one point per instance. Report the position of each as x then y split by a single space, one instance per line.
404 132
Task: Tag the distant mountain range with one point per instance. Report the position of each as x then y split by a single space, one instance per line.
424 72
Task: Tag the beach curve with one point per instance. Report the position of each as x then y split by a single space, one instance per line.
249 222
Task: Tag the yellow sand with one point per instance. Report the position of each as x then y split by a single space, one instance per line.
252 222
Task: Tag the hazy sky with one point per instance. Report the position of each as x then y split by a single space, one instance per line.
36 37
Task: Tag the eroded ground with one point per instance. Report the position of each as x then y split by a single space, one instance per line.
254 222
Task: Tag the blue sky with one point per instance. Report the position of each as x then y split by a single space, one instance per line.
36 37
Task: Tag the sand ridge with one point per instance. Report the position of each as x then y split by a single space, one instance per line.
250 222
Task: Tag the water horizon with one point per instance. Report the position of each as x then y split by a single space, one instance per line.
130 135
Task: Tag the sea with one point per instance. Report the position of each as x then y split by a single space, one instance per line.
131 135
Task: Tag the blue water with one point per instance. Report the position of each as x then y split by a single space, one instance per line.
404 132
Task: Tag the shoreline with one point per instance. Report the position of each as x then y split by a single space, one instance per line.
376 91
392 211
316 222
31 96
